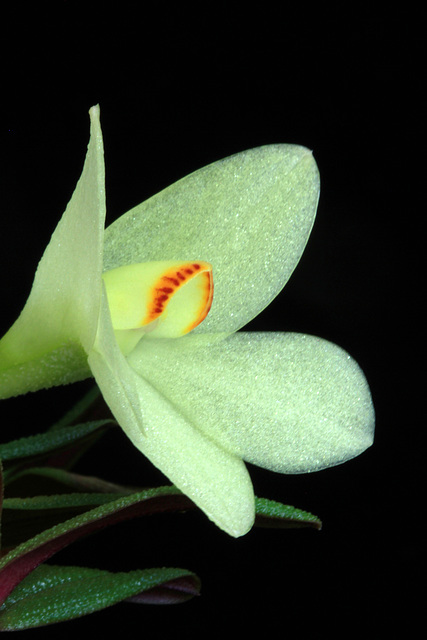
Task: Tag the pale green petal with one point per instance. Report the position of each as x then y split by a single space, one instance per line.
214 479
47 343
288 402
249 215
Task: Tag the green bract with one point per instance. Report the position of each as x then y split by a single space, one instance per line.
198 405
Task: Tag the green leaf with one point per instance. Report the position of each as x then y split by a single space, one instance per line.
24 518
54 594
49 441
52 481
22 560
277 515
68 442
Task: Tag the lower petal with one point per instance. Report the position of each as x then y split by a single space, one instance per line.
215 479
288 402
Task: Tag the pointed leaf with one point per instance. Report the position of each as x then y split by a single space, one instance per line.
19 562
271 514
172 592
55 481
24 518
50 441
56 446
53 594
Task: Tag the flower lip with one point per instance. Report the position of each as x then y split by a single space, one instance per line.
163 298
171 282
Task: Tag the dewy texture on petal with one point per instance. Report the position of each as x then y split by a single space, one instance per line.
288 402
248 215
214 478
48 342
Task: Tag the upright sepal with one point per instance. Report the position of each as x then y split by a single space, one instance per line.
47 344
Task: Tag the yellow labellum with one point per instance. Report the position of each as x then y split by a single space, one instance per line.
164 299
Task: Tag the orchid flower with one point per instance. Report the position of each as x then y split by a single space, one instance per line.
134 307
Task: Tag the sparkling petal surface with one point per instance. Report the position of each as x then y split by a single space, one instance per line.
198 405
288 402
214 478
47 343
248 215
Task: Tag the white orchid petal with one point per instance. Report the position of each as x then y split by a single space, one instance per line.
216 480
47 343
248 215
198 405
288 402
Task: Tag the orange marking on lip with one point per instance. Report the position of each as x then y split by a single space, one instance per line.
206 301
170 282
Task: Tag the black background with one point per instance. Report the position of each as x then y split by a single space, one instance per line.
181 86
